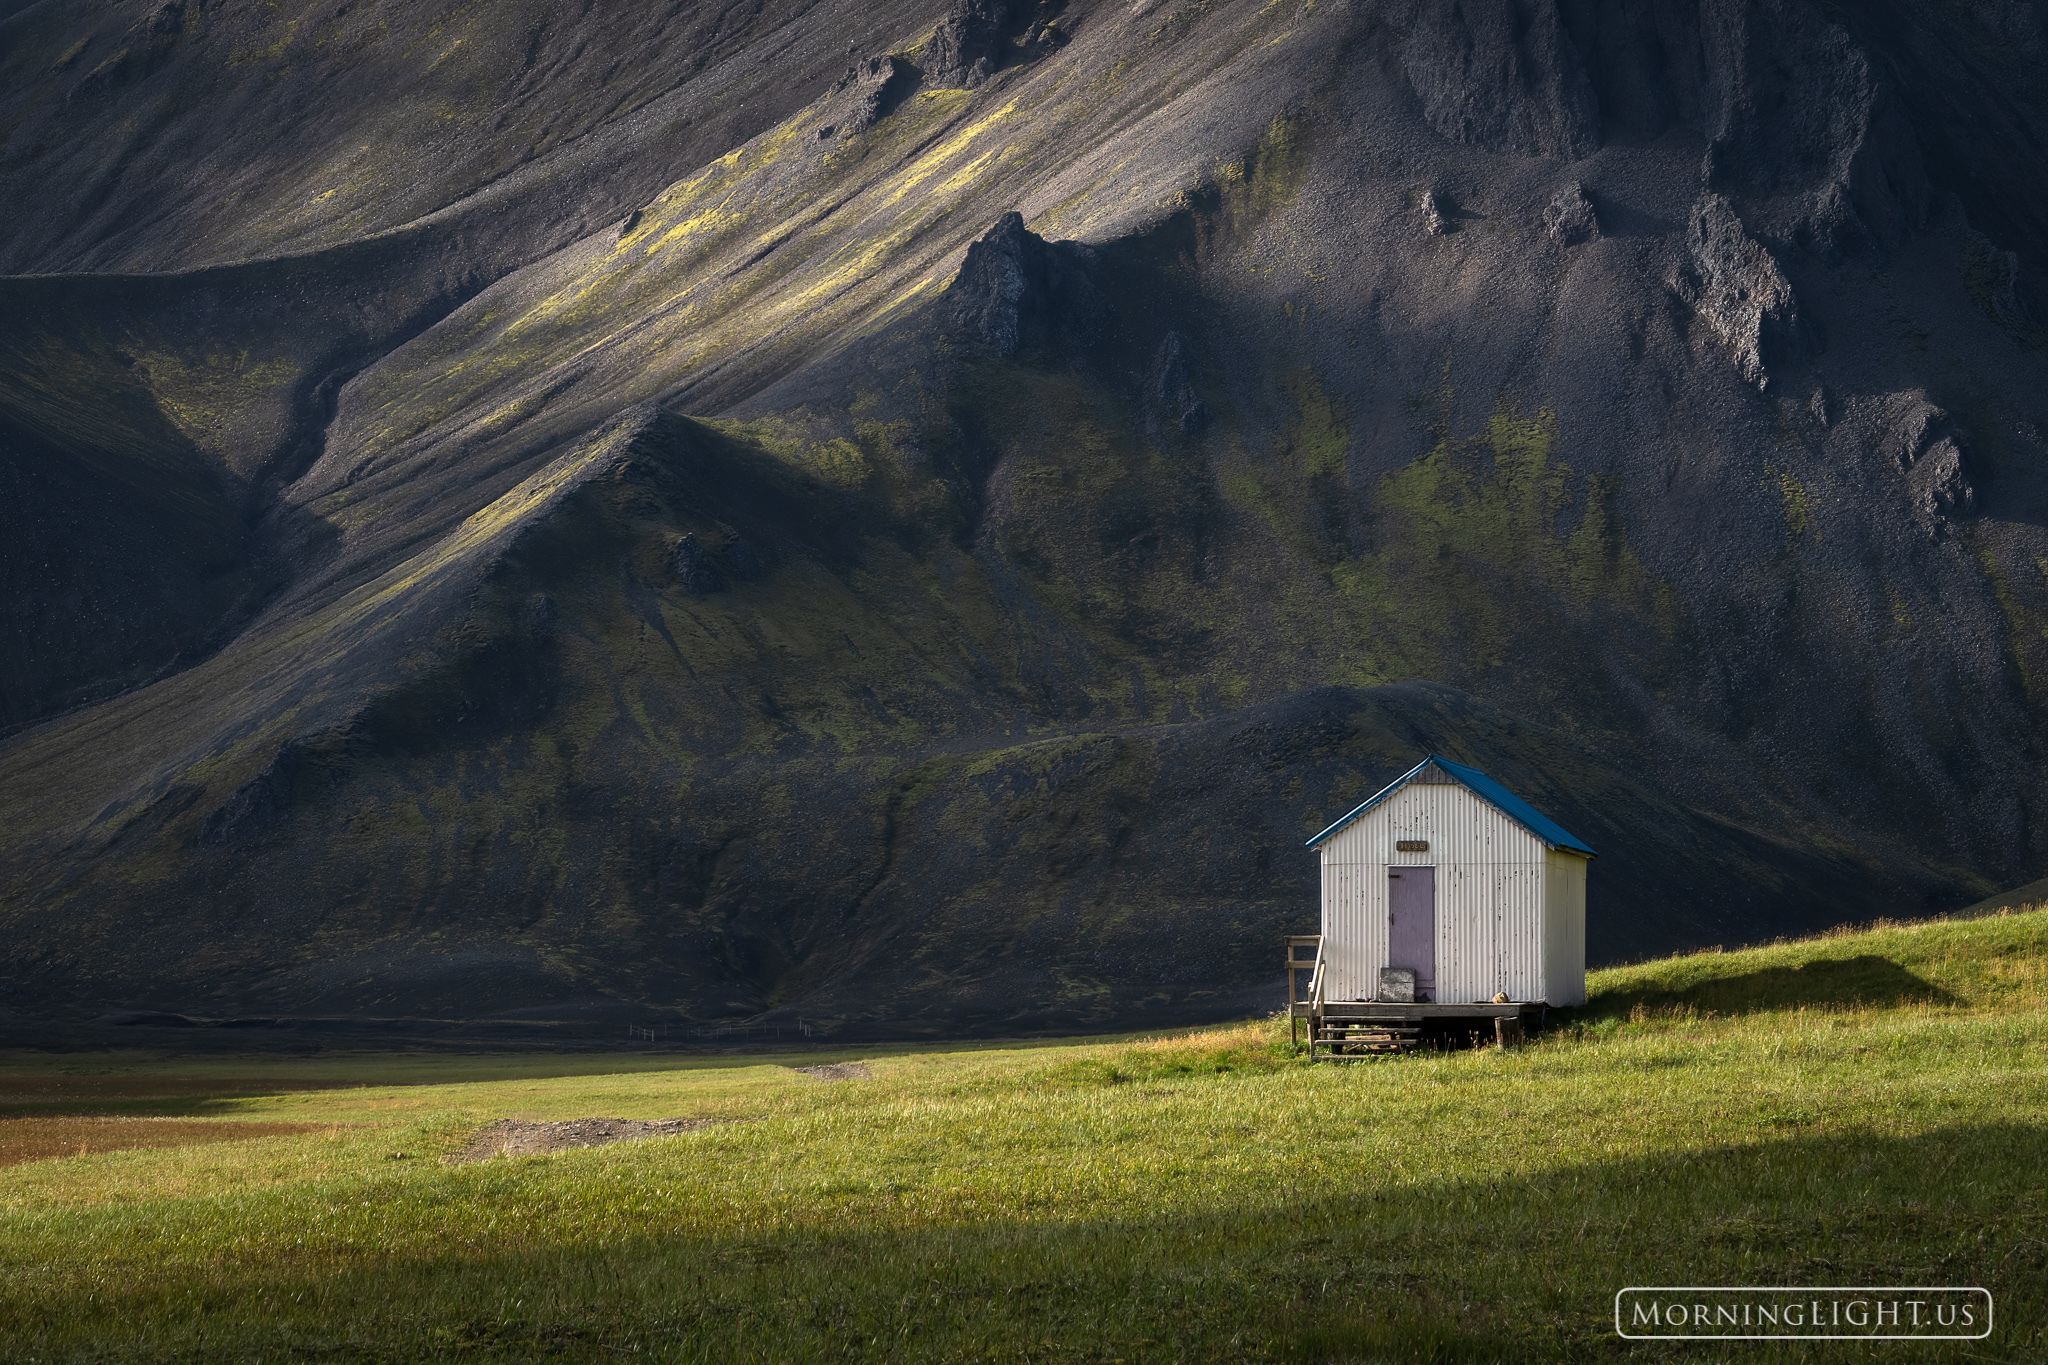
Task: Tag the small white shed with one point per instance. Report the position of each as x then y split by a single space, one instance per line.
1448 873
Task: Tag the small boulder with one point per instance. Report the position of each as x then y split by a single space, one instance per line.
1570 217
1438 217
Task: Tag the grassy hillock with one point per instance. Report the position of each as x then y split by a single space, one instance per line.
1714 1119
1989 963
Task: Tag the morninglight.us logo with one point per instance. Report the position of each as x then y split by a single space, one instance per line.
1791 1313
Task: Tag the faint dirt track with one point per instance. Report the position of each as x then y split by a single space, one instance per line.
44 1139
62 1089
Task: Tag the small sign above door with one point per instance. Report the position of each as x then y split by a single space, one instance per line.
1411 845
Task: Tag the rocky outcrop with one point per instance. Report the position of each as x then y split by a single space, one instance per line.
693 567
1802 129
1940 480
1015 289
1569 217
1925 444
865 95
967 47
702 571
1912 423
1736 286
1503 75
2000 285
977 38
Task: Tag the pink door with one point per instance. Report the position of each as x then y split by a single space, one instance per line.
1411 925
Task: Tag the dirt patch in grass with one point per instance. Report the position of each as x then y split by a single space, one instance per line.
838 1071
511 1137
45 1139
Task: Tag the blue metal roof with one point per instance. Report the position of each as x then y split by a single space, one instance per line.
1488 790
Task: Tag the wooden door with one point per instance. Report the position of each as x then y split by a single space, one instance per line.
1411 925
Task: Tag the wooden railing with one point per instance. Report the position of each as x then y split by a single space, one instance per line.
1311 1007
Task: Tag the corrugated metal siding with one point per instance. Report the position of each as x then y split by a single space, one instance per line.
1490 891
1553 923
1577 904
1565 965
1354 926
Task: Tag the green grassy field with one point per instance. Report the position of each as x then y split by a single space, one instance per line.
1866 1108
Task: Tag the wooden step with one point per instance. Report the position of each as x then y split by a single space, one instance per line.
1362 1042
1357 1038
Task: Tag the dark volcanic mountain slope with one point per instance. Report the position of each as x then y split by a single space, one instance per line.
818 591
178 134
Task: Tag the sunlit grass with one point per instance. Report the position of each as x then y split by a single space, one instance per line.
2000 960
1203 1196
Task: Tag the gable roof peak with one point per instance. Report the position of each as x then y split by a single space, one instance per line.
1437 770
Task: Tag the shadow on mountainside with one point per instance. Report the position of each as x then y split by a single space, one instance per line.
976 658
